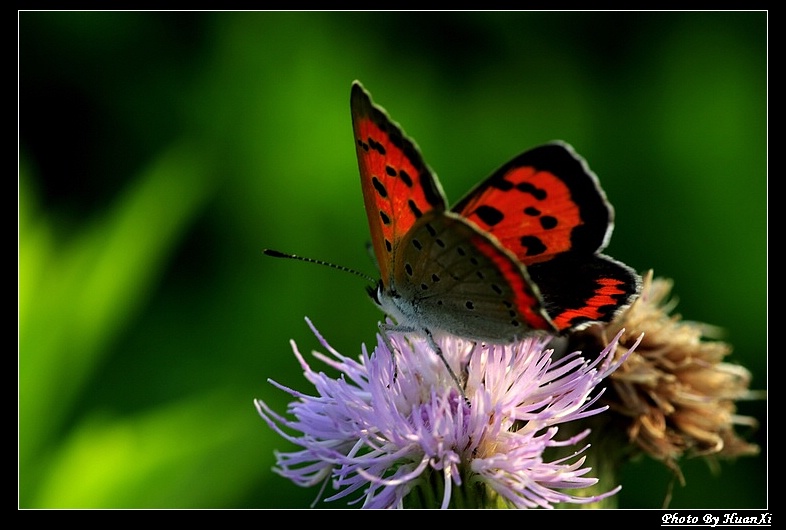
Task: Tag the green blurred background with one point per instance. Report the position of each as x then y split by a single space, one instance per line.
159 153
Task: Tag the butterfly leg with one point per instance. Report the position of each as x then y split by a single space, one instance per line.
438 351
385 328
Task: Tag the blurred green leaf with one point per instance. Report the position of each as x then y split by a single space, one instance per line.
75 296
161 458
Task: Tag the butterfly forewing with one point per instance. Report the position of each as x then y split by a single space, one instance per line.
452 277
543 203
397 185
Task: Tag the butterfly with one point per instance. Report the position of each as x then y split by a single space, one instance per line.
520 253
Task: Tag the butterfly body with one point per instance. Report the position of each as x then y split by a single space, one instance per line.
519 254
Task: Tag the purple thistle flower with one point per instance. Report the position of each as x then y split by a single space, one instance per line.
399 432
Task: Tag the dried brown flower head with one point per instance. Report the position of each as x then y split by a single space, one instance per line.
674 396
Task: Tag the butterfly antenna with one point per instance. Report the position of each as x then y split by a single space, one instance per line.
277 254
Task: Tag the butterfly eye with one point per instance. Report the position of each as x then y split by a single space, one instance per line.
374 293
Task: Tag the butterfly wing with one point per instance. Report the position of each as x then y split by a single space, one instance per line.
578 289
398 187
450 276
548 209
543 203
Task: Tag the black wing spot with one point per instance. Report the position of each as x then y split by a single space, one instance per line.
489 215
390 171
470 305
548 222
383 192
405 178
414 208
533 245
416 244
408 268
502 184
527 187
385 217
532 211
376 146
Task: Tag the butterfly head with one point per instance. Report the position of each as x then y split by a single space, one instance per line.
374 293
384 298
396 306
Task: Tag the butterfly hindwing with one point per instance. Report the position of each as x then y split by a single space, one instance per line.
579 289
456 278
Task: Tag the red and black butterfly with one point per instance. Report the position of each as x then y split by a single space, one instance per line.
520 253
